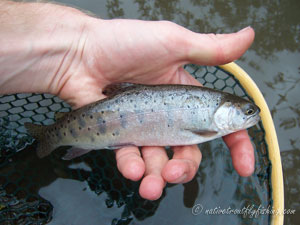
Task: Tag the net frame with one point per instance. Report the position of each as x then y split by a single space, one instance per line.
270 136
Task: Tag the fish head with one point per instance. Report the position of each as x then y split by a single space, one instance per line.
235 113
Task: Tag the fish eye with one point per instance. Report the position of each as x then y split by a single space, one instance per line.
249 111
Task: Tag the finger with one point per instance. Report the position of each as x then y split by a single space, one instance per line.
242 152
130 163
184 165
216 49
152 185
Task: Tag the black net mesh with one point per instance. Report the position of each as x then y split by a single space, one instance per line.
216 184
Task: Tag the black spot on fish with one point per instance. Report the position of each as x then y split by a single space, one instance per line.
79 128
64 133
152 110
92 139
154 101
117 101
73 133
55 128
146 102
74 118
123 121
101 125
89 128
83 115
188 106
165 103
98 134
102 112
81 122
58 135
91 117
113 134
68 120
131 100
140 115
135 106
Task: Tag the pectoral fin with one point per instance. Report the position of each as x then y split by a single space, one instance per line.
75 152
117 146
205 133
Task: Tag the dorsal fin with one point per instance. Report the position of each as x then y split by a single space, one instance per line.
59 115
114 89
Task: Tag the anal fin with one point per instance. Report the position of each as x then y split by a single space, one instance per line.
75 152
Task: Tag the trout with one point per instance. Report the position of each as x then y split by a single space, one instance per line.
146 115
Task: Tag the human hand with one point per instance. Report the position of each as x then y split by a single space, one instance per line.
102 52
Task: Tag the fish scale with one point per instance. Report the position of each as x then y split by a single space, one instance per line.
147 115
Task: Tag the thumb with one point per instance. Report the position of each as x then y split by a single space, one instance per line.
217 49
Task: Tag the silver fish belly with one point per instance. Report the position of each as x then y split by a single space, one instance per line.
147 115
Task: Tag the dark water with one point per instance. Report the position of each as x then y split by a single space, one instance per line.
273 62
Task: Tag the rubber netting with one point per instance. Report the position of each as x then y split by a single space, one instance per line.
216 184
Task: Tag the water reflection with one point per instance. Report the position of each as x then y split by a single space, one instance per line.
273 21
291 173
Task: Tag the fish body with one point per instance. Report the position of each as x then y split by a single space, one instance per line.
147 115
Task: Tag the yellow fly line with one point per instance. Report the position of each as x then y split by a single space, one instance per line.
271 139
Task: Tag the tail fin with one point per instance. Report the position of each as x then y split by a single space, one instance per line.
45 146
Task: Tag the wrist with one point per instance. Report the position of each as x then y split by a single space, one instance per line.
39 44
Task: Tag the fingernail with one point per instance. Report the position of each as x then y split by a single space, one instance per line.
246 28
180 179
